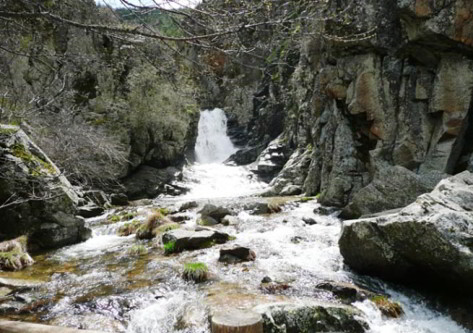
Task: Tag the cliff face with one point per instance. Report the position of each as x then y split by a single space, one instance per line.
383 118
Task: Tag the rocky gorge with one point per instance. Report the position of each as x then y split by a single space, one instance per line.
331 190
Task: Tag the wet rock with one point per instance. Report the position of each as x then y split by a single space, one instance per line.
27 174
230 220
16 326
119 199
148 182
207 221
245 156
266 279
273 287
346 292
188 205
194 240
387 307
20 283
309 220
235 320
400 246
311 317
216 213
236 254
323 210
297 239
90 210
179 218
13 255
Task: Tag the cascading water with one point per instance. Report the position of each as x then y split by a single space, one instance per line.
100 284
209 177
213 144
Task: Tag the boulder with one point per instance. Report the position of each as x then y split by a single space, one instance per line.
188 205
194 240
309 220
271 160
37 199
230 220
13 255
392 187
119 199
245 156
311 317
211 212
90 210
148 182
236 254
428 242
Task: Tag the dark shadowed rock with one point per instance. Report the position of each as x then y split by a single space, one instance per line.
188 205
309 220
148 182
428 242
119 199
236 254
193 240
90 210
216 213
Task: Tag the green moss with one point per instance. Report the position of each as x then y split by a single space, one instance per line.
129 228
169 247
166 227
113 218
387 307
36 165
138 249
163 211
8 131
14 260
318 196
195 271
129 215
306 199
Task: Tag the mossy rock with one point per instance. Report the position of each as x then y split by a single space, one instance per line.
196 271
387 307
13 255
138 249
129 228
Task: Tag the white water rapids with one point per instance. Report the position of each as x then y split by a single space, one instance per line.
146 294
209 177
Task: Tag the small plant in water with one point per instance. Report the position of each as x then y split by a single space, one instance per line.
387 307
138 249
195 271
169 247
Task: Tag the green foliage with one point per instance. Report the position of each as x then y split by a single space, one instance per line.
196 271
163 211
169 247
318 196
161 21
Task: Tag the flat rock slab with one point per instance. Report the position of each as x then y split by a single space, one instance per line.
20 327
236 321
194 240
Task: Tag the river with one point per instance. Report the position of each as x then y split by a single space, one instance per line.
99 285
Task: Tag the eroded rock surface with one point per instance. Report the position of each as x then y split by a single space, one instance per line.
429 241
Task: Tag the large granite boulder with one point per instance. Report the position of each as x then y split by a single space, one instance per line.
429 241
35 198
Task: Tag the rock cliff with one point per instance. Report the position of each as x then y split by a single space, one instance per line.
384 114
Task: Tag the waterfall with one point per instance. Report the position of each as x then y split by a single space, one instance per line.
213 144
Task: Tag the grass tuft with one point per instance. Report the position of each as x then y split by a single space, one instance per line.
195 271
